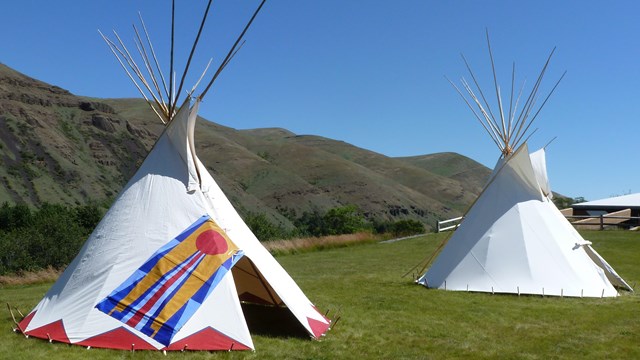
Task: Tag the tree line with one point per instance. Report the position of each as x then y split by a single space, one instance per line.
336 221
52 235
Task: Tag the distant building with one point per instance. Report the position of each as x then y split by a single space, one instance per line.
622 211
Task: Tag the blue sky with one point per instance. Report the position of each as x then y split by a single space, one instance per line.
372 72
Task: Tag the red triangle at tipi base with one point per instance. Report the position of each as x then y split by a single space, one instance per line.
318 327
53 331
26 321
119 338
207 339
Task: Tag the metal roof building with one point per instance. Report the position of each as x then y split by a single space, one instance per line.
615 211
631 201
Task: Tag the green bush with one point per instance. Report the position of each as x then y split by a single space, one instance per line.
264 229
406 228
14 253
311 223
15 217
336 221
88 216
50 236
343 220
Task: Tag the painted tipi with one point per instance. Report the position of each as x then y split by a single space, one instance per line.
514 239
172 266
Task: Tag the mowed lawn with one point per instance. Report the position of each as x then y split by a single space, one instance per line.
386 316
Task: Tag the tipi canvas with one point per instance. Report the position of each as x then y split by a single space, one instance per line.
514 239
171 266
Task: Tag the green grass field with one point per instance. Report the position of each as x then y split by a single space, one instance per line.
385 316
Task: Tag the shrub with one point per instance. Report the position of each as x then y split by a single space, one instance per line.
336 221
407 227
264 229
14 253
311 223
14 217
343 220
88 216
58 234
50 236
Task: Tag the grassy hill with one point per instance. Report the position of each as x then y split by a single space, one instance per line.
453 166
385 316
61 148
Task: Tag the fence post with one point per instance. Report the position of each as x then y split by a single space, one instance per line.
601 222
437 226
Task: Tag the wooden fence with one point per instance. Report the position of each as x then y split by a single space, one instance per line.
589 222
581 222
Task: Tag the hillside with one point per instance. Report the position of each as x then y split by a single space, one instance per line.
453 166
58 147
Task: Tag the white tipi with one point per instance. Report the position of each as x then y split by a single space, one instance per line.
514 239
172 266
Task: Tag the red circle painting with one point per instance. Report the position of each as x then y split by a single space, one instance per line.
211 242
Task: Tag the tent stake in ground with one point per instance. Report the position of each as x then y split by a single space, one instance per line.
513 239
172 266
